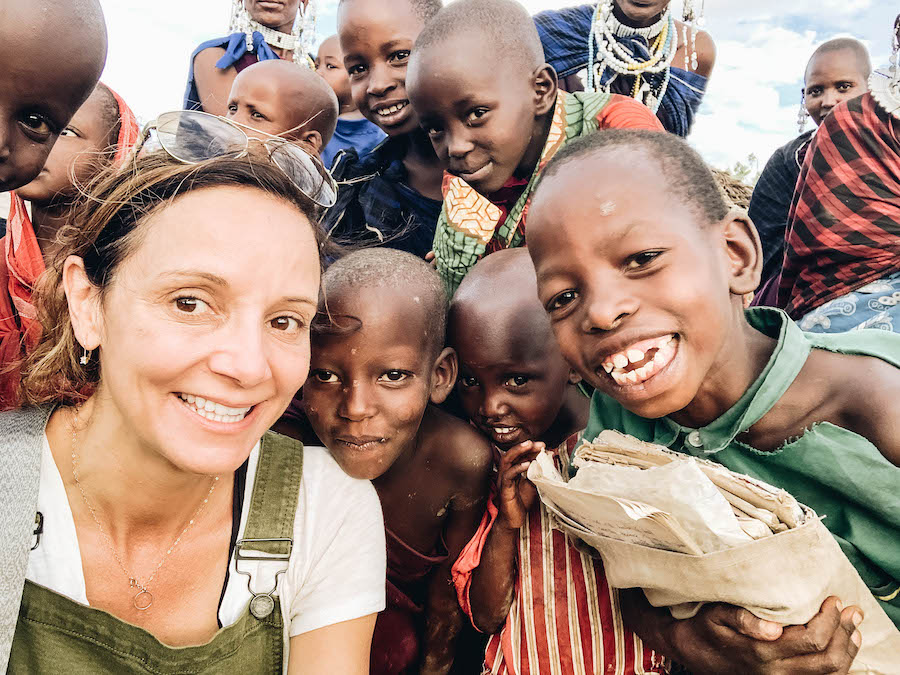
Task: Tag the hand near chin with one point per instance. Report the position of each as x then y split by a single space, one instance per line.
728 639
517 493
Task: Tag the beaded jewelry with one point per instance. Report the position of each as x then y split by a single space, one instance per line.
299 40
662 38
802 114
885 86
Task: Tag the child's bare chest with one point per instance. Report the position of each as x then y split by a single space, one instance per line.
415 509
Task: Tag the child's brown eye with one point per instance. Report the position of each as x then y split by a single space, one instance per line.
37 125
517 381
325 376
561 300
468 382
642 259
394 376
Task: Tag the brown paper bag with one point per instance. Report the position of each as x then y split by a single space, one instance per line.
783 578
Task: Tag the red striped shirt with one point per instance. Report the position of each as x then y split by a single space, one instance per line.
564 619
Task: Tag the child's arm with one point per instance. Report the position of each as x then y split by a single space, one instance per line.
726 639
493 581
444 617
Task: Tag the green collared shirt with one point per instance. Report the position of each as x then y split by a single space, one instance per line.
838 473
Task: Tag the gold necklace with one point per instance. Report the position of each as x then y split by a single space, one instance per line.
143 599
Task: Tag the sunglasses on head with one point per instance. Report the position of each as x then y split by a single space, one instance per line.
191 136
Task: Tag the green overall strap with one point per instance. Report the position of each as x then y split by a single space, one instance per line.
270 522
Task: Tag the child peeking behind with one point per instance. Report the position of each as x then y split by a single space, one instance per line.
643 282
492 109
353 130
544 600
103 130
280 98
378 367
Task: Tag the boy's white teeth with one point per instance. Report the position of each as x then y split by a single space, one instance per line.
384 112
615 364
214 411
504 430
634 355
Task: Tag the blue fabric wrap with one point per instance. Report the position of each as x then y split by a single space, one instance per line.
235 46
564 35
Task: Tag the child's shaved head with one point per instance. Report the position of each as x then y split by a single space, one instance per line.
424 9
389 268
687 175
52 53
500 295
505 25
282 98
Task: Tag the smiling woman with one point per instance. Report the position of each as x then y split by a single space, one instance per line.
179 335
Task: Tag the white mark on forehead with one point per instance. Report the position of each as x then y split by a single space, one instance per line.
606 207
417 299
353 350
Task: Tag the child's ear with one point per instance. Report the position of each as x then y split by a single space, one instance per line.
546 86
443 378
744 252
574 377
312 140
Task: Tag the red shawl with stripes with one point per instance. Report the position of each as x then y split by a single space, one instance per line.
844 227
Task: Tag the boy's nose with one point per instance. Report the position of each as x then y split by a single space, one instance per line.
494 407
380 81
458 145
356 402
607 311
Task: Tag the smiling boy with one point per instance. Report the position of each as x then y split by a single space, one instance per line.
495 116
378 368
41 88
643 284
391 197
280 98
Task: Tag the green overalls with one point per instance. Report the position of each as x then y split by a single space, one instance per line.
55 634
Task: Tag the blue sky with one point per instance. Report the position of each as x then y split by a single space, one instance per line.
751 103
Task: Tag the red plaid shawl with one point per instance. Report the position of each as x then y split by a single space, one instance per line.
844 227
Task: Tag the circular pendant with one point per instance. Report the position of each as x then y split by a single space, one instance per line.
261 606
143 600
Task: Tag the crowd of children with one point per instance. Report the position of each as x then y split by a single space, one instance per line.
528 254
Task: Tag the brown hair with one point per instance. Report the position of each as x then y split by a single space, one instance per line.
104 230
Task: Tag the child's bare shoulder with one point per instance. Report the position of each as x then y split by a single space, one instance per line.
454 446
857 393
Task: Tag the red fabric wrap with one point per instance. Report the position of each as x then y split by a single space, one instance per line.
844 226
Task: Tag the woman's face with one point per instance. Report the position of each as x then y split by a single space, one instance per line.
210 310
274 13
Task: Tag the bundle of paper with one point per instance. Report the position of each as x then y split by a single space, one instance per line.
688 531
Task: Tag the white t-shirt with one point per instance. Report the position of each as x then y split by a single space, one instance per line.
337 566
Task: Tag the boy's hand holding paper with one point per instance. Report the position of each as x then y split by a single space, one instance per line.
690 532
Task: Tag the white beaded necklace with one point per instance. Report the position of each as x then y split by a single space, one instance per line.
299 41
618 58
